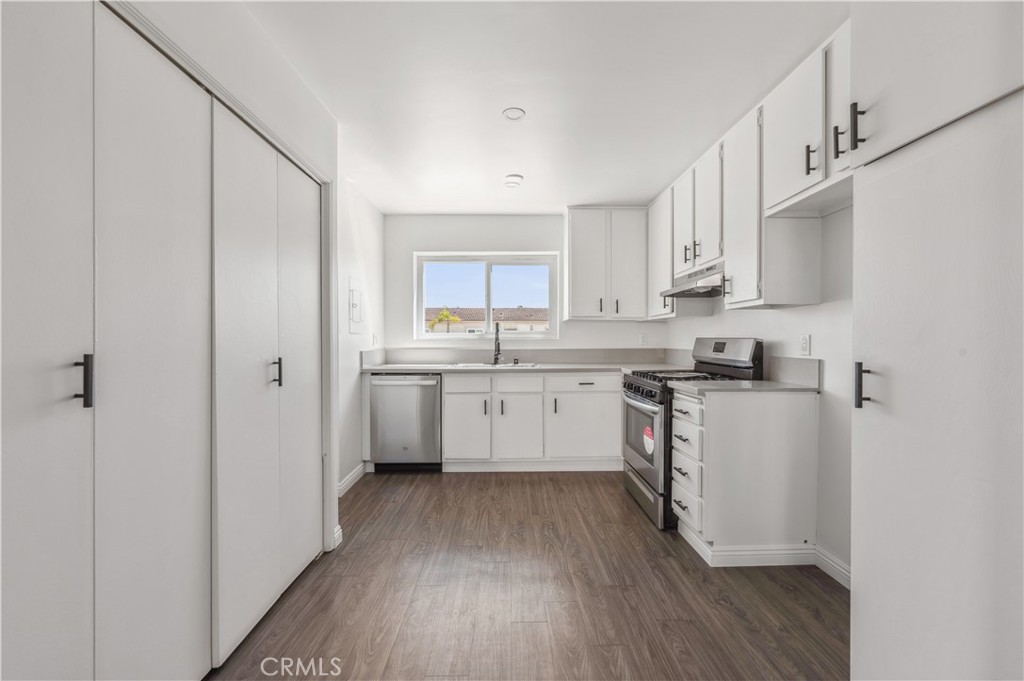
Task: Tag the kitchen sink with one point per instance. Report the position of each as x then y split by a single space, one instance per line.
488 365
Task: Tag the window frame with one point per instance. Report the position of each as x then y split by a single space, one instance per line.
489 259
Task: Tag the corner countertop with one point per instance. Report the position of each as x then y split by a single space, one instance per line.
705 387
509 369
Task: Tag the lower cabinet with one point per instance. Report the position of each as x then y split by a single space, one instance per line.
533 419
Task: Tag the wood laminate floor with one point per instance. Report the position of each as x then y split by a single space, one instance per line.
536 576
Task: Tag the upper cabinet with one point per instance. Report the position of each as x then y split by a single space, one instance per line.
837 101
907 81
606 257
682 224
707 206
741 209
793 139
659 256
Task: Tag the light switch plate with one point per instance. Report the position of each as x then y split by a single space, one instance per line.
805 345
643 340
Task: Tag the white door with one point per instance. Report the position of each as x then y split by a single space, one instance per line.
153 379
47 307
246 542
682 224
917 66
659 255
298 222
793 147
707 200
583 425
588 266
741 209
518 426
837 101
628 275
937 467
466 426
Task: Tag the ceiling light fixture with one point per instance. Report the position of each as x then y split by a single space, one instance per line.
514 114
513 180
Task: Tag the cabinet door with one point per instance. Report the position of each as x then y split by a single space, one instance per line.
793 118
741 209
247 536
659 255
298 224
837 101
583 425
466 426
918 66
588 266
518 426
682 225
628 263
47 325
924 607
153 386
707 189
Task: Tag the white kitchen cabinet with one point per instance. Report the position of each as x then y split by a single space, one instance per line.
707 206
587 263
741 209
607 263
682 225
518 426
628 273
659 256
583 425
938 595
466 426
793 136
837 101
918 66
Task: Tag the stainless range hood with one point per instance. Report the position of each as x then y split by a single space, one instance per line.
705 282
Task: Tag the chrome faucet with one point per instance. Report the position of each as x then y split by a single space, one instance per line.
497 343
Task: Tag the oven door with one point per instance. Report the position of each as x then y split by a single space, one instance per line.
643 440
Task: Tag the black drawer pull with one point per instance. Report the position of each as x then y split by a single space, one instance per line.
586 383
679 505
681 438
681 471
683 412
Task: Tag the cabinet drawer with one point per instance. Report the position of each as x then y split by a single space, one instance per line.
686 472
686 506
583 383
687 438
688 410
518 384
467 384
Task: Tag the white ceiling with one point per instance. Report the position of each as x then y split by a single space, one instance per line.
620 97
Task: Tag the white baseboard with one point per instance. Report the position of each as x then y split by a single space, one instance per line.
351 479
337 536
746 556
833 567
613 463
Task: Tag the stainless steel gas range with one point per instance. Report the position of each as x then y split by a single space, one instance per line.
647 419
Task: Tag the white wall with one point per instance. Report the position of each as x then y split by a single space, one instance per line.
406 234
360 256
830 326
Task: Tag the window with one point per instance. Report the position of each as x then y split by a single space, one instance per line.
463 295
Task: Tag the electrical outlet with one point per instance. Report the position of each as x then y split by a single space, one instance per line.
805 345
643 339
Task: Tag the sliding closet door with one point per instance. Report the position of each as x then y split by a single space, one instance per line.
298 222
47 326
153 345
247 532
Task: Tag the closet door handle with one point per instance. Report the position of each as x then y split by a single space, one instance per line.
280 372
855 138
87 381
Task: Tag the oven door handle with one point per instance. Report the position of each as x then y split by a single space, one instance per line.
647 409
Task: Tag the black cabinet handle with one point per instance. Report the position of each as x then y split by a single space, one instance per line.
280 372
681 472
679 505
485 407
682 411
616 306
686 252
681 438
695 253
725 286
87 381
858 385
586 383
855 138
600 304
556 405
807 159
836 151
502 407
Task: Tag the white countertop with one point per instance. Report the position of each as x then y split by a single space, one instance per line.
506 368
705 387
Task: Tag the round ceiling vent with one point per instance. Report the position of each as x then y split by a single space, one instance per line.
513 180
513 113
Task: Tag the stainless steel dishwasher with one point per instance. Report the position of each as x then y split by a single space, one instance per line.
405 422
